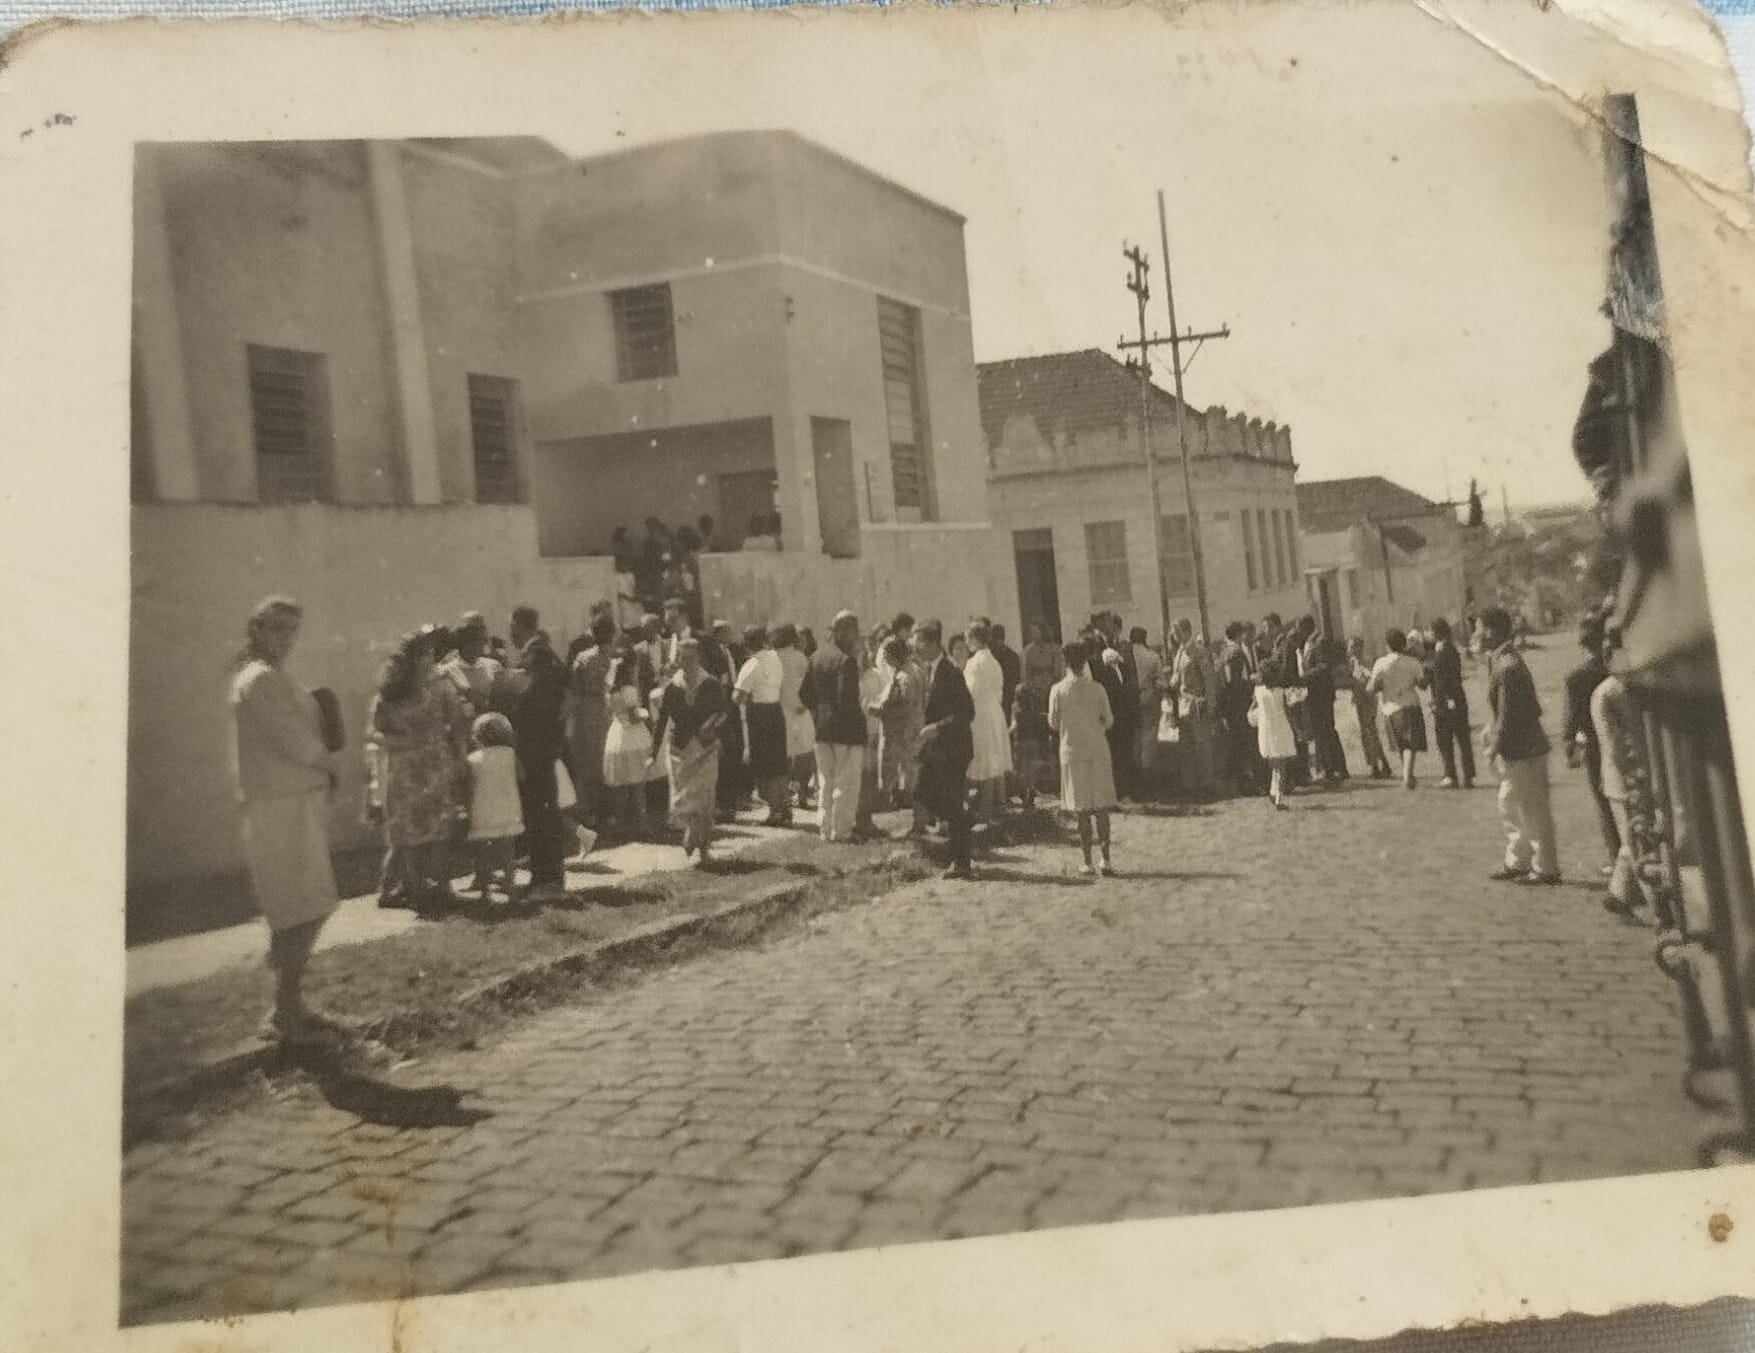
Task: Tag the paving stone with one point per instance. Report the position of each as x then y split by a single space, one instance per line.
949 1061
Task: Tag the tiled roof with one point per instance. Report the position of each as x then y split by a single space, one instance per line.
1071 389
1335 504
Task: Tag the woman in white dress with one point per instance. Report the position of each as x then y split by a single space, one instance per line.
286 780
1078 711
993 744
627 747
801 729
1275 738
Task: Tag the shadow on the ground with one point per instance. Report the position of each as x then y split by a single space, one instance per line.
735 867
373 1100
1169 809
985 873
1126 875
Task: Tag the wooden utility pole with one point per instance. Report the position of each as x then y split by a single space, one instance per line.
1144 345
1141 289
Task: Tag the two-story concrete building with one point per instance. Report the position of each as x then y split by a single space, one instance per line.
1066 479
401 379
1377 554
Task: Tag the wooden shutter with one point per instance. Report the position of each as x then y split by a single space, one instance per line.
899 342
492 434
645 332
290 424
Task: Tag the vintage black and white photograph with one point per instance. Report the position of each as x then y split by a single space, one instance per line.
929 647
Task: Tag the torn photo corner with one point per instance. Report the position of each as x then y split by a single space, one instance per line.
931 678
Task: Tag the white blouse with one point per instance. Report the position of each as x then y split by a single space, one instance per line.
761 677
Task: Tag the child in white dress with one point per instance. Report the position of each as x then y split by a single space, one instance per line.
1274 737
495 818
627 751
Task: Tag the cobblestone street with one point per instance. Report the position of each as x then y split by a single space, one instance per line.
1265 1010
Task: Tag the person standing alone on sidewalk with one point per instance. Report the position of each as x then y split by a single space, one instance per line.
1514 740
831 693
286 780
1450 710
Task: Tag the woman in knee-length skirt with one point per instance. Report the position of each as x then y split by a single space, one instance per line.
689 715
1078 710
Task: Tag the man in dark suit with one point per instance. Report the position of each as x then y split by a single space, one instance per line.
1119 677
538 690
947 745
1450 710
1011 670
1289 654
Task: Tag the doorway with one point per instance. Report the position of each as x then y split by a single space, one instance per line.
1038 586
1322 587
831 444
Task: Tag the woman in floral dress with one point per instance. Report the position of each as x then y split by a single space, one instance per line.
421 725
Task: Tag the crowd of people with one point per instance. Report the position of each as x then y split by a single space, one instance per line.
496 752
663 567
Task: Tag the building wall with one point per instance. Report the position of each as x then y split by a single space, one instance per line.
836 371
647 213
1067 503
276 245
841 217
461 220
1419 588
952 572
588 486
731 366
1102 478
365 577
775 252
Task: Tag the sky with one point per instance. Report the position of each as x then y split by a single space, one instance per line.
1404 232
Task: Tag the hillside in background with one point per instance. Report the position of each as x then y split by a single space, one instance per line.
1540 565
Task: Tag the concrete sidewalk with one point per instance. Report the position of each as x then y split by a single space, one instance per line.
358 920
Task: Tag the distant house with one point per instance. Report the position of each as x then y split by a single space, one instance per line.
1378 555
1066 477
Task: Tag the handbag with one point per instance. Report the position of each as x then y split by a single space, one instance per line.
1169 729
333 730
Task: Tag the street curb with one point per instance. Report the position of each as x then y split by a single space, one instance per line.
143 1107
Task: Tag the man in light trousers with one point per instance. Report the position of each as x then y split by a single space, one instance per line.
1518 748
831 693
